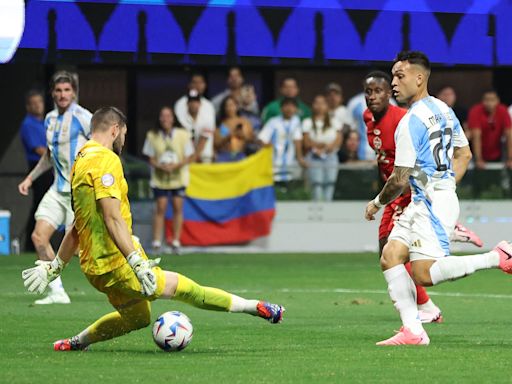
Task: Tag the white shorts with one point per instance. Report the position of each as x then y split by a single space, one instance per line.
426 227
55 208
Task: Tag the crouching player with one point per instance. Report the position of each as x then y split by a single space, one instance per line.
381 119
112 260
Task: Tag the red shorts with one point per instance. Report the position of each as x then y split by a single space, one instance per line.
391 213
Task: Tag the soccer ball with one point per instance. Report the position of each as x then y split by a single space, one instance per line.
172 331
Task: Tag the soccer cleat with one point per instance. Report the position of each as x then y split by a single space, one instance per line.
431 317
504 250
59 297
271 312
405 337
70 344
462 234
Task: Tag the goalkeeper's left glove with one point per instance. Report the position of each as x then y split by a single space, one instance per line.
143 268
36 279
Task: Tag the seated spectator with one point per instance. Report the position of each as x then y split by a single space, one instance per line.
349 149
247 99
235 83
284 133
288 89
206 111
169 151
322 137
232 134
334 96
448 95
489 123
200 126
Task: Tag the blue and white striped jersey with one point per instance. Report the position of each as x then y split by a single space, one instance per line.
65 135
425 138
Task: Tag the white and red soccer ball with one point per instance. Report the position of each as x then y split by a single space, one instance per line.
172 331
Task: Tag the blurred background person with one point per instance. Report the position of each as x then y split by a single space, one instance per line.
33 137
284 134
200 126
197 83
334 97
233 133
490 124
235 82
350 147
247 99
289 89
448 95
169 151
322 138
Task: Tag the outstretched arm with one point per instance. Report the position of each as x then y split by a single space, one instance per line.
41 167
461 158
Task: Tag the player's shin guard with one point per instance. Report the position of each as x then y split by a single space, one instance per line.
117 323
455 267
403 294
192 293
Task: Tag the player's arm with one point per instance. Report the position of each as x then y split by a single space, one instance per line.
461 158
43 165
120 234
37 278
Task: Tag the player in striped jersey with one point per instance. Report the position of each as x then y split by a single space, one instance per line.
67 130
431 151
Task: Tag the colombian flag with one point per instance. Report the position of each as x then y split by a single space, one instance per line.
228 203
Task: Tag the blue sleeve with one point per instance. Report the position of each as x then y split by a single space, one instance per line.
30 137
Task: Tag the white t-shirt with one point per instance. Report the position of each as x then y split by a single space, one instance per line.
202 126
319 135
343 116
281 134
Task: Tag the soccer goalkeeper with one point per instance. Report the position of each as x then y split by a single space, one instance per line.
111 258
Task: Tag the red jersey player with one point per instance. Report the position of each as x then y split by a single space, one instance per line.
381 119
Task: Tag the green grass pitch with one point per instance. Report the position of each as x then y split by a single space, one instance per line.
337 309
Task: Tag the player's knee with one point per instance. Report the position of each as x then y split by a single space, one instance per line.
38 238
393 254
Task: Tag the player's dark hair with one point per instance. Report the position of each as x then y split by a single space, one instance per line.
64 77
31 93
414 57
105 117
379 75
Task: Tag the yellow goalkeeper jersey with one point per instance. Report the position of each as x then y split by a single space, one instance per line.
97 174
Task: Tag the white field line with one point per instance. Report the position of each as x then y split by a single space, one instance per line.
380 292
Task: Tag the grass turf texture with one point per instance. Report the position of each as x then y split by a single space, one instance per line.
327 336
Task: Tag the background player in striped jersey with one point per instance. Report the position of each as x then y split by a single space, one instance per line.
381 119
431 151
67 129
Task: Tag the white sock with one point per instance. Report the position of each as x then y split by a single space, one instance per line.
56 285
156 244
239 304
455 267
403 294
83 338
429 306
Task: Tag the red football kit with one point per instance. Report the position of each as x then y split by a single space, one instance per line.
381 137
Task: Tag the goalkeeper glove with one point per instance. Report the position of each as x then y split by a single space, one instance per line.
36 279
143 270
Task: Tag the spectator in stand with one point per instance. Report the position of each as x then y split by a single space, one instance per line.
233 133
489 123
322 137
284 133
289 89
356 106
350 147
247 99
200 126
337 111
235 83
448 95
197 83
169 151
33 137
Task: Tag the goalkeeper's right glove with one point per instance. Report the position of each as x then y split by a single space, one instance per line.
36 279
143 269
